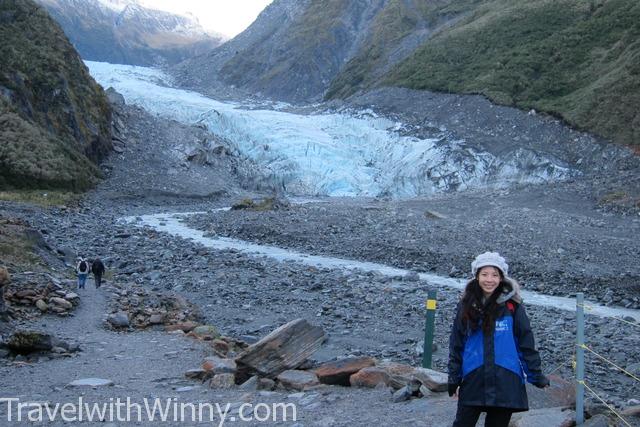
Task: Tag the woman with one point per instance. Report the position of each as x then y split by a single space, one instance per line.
491 349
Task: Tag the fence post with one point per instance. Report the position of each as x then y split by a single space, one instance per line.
580 359
428 329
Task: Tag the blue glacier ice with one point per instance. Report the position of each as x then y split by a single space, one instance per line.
348 153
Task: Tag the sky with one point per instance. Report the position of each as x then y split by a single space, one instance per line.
229 17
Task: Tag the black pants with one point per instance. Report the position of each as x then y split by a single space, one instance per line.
467 416
98 279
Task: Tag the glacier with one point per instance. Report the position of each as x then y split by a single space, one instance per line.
343 153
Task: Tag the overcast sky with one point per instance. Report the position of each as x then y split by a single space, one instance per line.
228 17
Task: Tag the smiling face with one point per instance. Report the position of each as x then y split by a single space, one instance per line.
489 279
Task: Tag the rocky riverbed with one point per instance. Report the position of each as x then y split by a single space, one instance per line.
558 240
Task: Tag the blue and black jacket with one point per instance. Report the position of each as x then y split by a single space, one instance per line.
492 369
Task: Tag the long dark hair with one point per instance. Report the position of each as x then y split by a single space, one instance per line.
475 312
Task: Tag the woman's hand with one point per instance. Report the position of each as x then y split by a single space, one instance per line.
453 390
542 382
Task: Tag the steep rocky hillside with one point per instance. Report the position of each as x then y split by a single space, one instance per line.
292 51
54 118
400 27
123 32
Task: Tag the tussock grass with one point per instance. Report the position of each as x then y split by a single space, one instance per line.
46 198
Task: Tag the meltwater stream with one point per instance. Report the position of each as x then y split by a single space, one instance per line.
173 224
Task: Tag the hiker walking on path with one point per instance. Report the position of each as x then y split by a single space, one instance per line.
82 269
97 268
491 349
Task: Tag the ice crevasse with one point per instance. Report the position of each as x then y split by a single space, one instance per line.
348 153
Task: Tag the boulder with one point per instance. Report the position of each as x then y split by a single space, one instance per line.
283 349
298 380
372 376
632 411
42 306
185 327
599 420
339 371
61 302
119 319
5 277
223 381
561 393
205 332
433 380
156 319
26 342
218 365
545 417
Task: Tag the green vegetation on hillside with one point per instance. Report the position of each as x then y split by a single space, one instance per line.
578 59
54 118
397 20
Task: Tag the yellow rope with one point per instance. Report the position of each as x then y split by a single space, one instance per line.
605 403
626 321
610 362
556 368
590 307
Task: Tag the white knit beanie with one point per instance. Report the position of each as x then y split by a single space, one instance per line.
490 259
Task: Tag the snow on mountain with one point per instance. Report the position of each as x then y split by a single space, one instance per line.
127 32
346 153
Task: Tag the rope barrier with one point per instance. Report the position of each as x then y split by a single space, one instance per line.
626 321
605 403
610 362
557 367
590 308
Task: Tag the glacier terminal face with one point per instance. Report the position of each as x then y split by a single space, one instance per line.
334 154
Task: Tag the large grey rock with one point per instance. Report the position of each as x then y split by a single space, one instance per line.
219 365
26 342
298 380
119 319
283 349
599 420
545 417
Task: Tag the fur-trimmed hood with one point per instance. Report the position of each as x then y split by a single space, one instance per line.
511 290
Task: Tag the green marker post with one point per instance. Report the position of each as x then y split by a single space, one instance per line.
428 329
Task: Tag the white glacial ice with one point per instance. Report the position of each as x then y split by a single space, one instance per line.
334 154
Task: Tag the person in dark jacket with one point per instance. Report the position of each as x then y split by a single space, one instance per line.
97 268
492 351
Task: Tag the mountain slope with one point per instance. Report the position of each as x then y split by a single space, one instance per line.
292 51
577 59
311 53
124 32
54 118
398 29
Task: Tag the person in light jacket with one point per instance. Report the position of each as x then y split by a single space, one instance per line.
492 352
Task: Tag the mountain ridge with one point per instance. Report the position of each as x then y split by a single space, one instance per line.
126 32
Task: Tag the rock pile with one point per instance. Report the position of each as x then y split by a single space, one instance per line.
139 308
34 294
266 204
281 360
30 346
